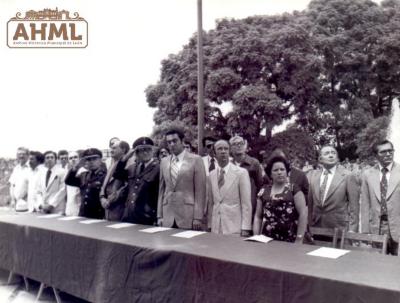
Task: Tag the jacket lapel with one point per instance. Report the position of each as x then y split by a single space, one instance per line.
53 176
184 165
394 180
316 181
337 179
376 182
230 177
215 190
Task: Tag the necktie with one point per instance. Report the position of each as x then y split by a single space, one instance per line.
174 170
212 165
384 186
48 174
221 178
323 186
141 169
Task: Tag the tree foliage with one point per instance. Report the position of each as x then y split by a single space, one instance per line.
333 67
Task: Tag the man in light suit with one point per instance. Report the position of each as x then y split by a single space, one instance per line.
182 188
380 196
333 195
51 191
229 195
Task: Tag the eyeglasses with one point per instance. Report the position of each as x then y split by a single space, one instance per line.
73 157
386 151
240 143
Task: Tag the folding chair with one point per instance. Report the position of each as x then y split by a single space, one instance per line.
364 242
327 237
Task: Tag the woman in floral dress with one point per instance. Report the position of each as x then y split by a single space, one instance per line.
281 211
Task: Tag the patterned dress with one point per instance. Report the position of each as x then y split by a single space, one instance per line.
280 216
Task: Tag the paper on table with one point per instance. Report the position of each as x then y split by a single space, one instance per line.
188 234
49 216
259 238
70 218
120 225
153 230
327 252
92 221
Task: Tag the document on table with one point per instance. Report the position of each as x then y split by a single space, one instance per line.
188 234
92 221
259 238
120 225
153 230
327 252
49 216
70 218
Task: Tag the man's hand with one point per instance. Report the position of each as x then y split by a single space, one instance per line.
104 202
160 222
197 224
47 209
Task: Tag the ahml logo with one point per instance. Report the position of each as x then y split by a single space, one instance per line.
47 29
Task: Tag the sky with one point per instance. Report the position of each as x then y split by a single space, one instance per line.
54 99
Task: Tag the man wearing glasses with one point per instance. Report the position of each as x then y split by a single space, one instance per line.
380 196
210 163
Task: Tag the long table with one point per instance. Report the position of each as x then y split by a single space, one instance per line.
101 264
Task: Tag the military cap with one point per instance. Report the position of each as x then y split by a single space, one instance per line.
142 142
92 153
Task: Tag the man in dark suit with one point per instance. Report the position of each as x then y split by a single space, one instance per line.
89 182
142 178
380 196
182 193
334 194
112 193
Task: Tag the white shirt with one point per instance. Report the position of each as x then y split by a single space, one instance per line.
389 167
33 178
19 182
330 177
225 169
180 159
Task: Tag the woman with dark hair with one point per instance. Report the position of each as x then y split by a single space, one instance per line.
281 211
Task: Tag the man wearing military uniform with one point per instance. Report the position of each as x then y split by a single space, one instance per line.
90 183
143 180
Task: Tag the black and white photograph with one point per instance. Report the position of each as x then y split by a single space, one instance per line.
207 151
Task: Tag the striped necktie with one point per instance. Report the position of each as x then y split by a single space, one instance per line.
174 170
384 187
323 186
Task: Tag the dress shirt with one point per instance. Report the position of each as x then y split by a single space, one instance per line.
330 177
226 169
180 159
389 168
19 182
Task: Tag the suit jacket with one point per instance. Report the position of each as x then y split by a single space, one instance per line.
371 198
184 201
111 186
142 198
231 204
54 193
207 162
341 206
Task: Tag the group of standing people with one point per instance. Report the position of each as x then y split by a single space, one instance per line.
226 191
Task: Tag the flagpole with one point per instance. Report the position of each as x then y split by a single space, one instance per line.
200 78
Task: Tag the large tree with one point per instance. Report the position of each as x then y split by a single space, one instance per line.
334 67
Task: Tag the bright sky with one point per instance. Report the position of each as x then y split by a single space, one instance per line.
79 98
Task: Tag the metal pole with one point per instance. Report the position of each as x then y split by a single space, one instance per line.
200 77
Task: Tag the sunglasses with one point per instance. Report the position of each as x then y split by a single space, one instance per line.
73 157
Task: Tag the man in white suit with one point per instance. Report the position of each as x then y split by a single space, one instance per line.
51 190
229 195
182 189
380 196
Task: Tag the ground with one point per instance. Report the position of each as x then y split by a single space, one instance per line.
16 292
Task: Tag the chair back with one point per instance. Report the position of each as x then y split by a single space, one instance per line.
327 237
363 242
